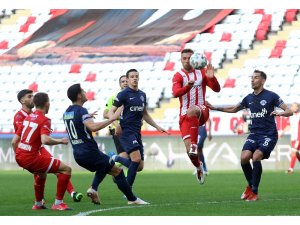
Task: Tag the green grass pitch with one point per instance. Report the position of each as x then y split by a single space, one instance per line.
171 193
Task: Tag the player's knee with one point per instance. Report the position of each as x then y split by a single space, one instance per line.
193 111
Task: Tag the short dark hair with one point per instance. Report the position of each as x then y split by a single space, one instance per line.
22 93
40 99
73 92
261 73
121 78
129 71
187 50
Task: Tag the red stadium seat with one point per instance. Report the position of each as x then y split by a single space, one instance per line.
169 65
90 95
276 52
91 77
75 68
259 11
229 83
264 25
266 17
261 35
280 44
208 55
211 29
290 16
4 44
34 87
31 19
226 37
24 28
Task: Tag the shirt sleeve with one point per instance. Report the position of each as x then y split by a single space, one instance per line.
177 89
119 99
244 103
278 100
84 114
18 123
46 127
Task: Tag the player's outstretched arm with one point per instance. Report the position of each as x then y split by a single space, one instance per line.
47 140
230 109
150 121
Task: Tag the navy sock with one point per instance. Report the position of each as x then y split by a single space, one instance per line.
124 186
247 169
124 161
201 158
98 178
132 172
257 171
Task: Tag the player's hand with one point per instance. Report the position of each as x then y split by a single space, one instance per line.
118 130
162 130
209 137
191 83
64 141
94 114
210 71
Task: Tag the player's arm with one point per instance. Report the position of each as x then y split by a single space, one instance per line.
47 140
150 121
95 126
177 88
286 111
230 109
15 141
211 80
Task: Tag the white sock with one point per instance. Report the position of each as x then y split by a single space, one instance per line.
57 202
39 203
72 193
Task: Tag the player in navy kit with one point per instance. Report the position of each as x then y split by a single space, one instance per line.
133 102
80 125
263 131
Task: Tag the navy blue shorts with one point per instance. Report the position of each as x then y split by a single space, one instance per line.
202 135
95 161
264 143
131 141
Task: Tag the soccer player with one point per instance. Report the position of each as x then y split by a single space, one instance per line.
115 130
294 126
133 102
202 135
25 97
263 131
189 85
80 125
35 131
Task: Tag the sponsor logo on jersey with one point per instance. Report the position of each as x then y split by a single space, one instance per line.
259 114
68 115
136 108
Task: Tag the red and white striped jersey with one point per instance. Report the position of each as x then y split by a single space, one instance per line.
195 95
295 126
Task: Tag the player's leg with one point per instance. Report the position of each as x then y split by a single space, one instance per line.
39 187
294 156
135 157
201 139
193 114
124 186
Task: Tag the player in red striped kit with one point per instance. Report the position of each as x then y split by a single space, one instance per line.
294 127
25 97
189 85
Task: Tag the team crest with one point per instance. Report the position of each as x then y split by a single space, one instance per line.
263 102
142 98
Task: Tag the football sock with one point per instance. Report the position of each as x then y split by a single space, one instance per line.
98 178
247 169
40 203
257 171
195 160
201 158
131 174
62 183
298 155
39 187
70 187
57 201
194 125
124 161
124 186
293 161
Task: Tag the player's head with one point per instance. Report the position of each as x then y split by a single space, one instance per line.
258 79
25 97
295 107
123 82
76 93
41 101
185 58
132 78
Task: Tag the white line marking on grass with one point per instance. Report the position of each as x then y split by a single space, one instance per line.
172 204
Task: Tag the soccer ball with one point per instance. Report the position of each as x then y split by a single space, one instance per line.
198 60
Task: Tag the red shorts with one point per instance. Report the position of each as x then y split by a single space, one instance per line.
37 163
296 144
184 122
43 151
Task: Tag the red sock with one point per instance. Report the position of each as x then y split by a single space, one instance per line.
195 160
293 161
194 125
39 187
70 187
62 183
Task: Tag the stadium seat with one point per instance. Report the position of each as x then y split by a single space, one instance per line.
290 15
4 44
229 83
261 35
259 11
226 37
169 65
75 68
24 28
30 20
90 95
33 87
91 77
276 52
280 44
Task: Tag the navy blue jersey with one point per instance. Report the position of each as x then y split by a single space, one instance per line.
134 103
80 137
261 106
